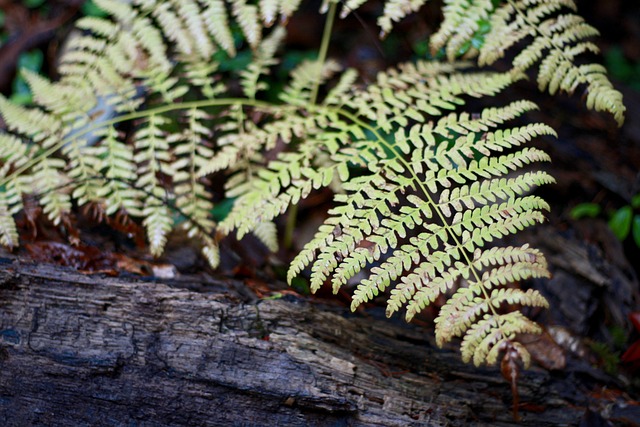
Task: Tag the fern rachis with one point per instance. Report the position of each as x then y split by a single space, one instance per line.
423 182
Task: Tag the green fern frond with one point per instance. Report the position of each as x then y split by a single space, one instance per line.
247 16
347 80
153 158
557 41
435 194
10 205
263 60
84 171
35 124
267 233
119 170
173 27
269 11
394 11
468 303
217 22
9 237
304 77
121 10
189 12
287 8
48 178
14 152
462 20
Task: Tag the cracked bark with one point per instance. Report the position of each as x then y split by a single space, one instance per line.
87 350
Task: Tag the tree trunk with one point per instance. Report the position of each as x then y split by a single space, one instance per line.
89 350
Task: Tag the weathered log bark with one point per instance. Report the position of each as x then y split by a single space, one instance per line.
87 350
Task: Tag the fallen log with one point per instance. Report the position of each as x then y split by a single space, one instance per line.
104 351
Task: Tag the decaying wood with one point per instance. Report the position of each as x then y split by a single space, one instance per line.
87 350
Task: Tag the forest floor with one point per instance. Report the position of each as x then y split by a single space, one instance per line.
595 287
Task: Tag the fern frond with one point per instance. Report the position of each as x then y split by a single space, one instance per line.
10 205
267 233
293 174
48 178
394 11
263 59
434 195
557 41
485 338
210 250
189 11
193 199
59 99
153 158
462 20
121 10
396 101
30 122
269 11
468 303
247 16
118 168
217 22
84 172
304 77
9 237
285 182
287 8
174 28
14 152
151 43
347 80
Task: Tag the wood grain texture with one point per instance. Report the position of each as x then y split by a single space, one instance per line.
86 350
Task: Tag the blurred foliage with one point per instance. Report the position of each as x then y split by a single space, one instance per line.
623 222
33 60
621 69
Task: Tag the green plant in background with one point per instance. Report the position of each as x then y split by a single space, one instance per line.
425 183
33 60
623 222
621 68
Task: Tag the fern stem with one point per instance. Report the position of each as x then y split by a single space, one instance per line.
322 57
290 227
324 48
139 115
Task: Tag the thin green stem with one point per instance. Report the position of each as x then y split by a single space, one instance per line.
138 115
290 226
322 57
324 48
